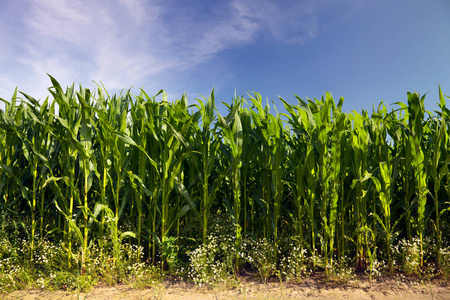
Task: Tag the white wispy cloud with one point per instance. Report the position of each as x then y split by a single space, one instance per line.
294 22
125 42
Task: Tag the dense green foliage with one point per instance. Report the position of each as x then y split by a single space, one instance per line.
83 165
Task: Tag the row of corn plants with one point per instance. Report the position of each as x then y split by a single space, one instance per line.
84 166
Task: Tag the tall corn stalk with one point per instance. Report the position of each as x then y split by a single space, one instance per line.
440 159
233 135
271 133
67 127
359 168
416 110
208 145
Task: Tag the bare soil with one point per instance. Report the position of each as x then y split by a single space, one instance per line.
250 288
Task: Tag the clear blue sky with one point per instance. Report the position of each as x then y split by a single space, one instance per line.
363 50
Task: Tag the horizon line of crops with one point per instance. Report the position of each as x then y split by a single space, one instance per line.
83 165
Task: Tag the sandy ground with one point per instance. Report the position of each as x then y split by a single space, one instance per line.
310 288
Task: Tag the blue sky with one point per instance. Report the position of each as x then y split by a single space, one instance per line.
365 51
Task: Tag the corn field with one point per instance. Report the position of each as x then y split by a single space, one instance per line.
84 164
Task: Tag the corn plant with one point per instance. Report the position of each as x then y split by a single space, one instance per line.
416 112
232 134
271 133
85 167
359 144
208 143
67 126
439 166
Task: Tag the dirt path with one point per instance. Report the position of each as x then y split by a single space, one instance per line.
361 289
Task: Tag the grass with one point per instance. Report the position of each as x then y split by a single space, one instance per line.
210 264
